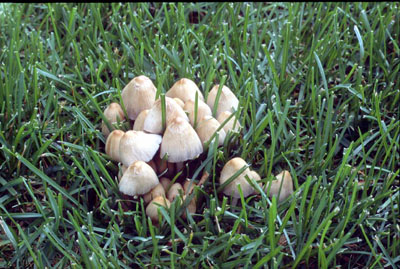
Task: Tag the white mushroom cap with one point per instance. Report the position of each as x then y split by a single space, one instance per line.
227 100
153 121
139 94
139 122
285 179
230 125
229 169
180 142
206 129
152 208
202 110
138 146
138 179
185 89
113 113
112 144
179 102
158 190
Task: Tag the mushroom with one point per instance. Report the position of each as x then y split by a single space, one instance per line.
138 146
139 94
138 179
158 190
174 191
229 169
139 122
166 182
284 179
206 129
153 121
227 100
232 124
191 207
179 102
180 142
202 110
152 208
113 114
185 89
164 167
112 144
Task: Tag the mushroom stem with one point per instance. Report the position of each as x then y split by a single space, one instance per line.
234 201
179 166
203 178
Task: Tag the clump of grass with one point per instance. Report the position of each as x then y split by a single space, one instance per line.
319 91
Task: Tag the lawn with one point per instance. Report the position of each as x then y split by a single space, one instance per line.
319 95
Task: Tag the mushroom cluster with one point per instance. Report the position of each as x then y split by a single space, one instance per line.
166 132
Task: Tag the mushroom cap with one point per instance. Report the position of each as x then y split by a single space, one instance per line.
202 110
191 206
112 144
179 102
152 208
158 190
139 122
166 182
138 179
206 129
174 191
185 89
186 185
139 94
113 112
180 142
138 146
230 125
286 180
229 169
227 100
153 121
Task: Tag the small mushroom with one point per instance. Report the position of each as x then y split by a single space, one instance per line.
202 110
139 94
185 89
153 121
231 125
138 146
152 208
227 100
158 190
282 188
112 144
166 182
138 179
179 102
191 207
180 142
113 114
229 169
174 191
139 122
206 129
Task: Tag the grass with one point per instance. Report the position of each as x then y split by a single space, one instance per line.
318 85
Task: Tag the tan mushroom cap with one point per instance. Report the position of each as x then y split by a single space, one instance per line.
166 182
158 190
138 179
285 179
180 142
191 207
138 95
185 89
139 122
227 100
138 146
113 114
174 191
203 110
231 125
206 129
153 121
229 169
152 208
112 144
